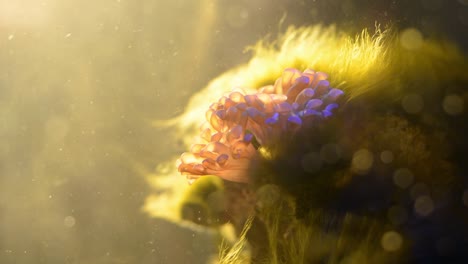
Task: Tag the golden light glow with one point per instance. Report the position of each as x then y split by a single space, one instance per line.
361 64
411 39
171 187
24 13
266 154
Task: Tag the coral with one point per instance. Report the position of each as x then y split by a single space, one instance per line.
238 125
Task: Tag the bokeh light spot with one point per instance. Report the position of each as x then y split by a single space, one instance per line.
419 189
391 241
386 156
311 162
411 39
424 205
362 161
330 153
267 196
412 103
69 221
453 104
403 178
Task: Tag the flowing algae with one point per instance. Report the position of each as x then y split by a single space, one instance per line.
323 195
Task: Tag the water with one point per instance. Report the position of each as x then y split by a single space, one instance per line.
80 86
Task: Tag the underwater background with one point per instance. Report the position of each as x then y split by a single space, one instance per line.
82 84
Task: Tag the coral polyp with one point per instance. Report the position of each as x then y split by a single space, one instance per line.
238 124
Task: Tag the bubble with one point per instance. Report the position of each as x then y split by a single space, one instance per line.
453 104
397 215
465 197
424 205
311 162
403 178
411 39
419 189
69 221
330 153
412 103
391 241
362 161
386 156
